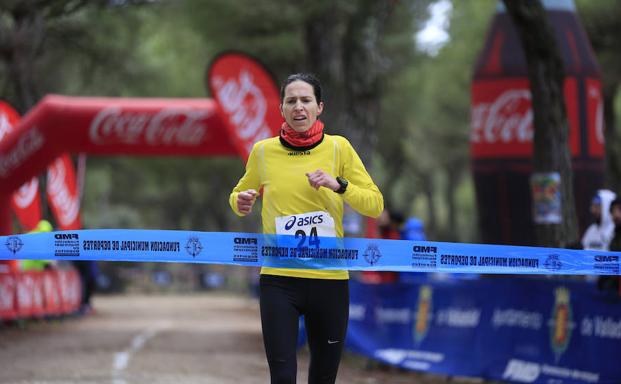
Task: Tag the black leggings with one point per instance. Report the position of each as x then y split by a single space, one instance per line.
325 306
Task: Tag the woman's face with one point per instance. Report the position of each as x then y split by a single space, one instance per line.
299 106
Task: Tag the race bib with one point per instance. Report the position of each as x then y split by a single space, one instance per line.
307 227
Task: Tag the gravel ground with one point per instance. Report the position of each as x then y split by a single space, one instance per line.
207 338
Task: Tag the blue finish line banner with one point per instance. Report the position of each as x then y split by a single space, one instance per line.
283 251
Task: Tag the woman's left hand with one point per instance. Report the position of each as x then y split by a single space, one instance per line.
321 179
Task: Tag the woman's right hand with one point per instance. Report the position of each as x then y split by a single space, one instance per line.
245 201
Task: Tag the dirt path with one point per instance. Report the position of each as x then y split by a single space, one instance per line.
158 339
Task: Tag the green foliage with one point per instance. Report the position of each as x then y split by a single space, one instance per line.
427 109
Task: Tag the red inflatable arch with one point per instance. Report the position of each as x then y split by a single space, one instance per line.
162 127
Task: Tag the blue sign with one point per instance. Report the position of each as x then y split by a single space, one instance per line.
522 330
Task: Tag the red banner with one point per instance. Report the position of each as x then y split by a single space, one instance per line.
58 124
26 201
63 194
595 116
248 97
70 289
502 118
7 296
51 292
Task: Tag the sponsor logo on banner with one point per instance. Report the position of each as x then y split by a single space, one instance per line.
244 102
561 322
245 240
502 118
66 236
424 313
454 317
62 192
424 256
521 371
26 145
193 246
26 194
170 126
372 254
248 96
245 249
26 202
424 249
14 244
553 263
66 245
517 318
606 264
508 118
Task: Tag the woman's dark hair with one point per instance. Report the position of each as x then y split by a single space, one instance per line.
305 77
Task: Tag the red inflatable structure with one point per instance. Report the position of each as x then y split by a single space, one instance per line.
245 109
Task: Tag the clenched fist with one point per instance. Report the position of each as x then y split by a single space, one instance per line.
245 201
321 179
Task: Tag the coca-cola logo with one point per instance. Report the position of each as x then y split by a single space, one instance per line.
25 287
26 194
65 202
170 126
507 119
245 104
27 144
7 286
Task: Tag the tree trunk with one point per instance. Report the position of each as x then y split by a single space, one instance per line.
344 50
613 155
20 50
546 75
428 191
449 196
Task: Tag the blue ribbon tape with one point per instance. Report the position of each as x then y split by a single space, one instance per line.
283 251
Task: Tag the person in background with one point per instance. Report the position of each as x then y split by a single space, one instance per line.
37 265
600 232
88 271
612 283
390 224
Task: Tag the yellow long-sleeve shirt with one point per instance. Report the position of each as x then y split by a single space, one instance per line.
280 172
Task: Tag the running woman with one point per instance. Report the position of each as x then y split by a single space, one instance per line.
304 176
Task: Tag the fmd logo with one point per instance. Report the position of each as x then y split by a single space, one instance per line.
606 258
245 240
521 371
14 244
66 236
424 249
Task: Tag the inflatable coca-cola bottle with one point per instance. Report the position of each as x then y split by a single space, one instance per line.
502 124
